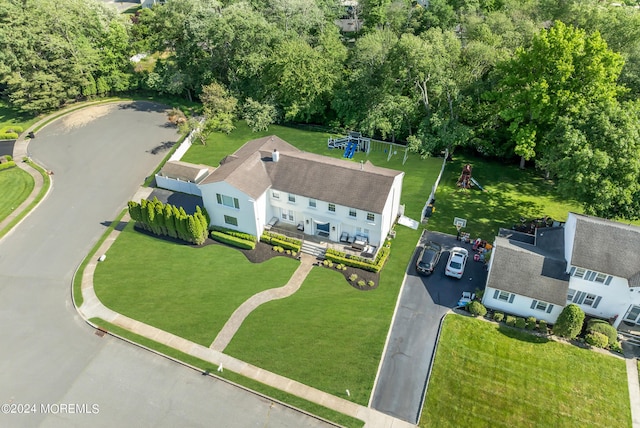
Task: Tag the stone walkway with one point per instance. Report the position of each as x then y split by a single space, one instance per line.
235 321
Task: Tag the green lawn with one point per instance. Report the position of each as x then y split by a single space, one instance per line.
327 335
510 193
205 366
15 187
490 376
10 116
190 292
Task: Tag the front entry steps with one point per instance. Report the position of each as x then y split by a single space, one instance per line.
313 249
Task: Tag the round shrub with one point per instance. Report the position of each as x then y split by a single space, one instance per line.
330 264
597 340
293 253
8 157
531 323
601 326
353 277
477 309
288 252
542 326
521 322
498 316
569 322
361 283
511 320
371 283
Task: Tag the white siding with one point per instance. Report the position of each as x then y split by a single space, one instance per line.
246 214
615 297
519 305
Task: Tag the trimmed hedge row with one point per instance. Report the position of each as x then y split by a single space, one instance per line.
232 232
7 165
359 262
285 242
233 240
8 136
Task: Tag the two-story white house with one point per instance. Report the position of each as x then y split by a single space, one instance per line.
268 179
592 262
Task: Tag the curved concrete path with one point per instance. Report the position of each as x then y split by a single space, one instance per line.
235 321
92 307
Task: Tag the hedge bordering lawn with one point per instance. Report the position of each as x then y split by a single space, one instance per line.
7 165
283 241
359 262
241 235
233 240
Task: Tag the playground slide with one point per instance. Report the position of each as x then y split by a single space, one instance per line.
477 184
350 150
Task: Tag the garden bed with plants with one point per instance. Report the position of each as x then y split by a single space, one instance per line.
357 278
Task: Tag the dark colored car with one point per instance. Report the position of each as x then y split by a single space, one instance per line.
428 258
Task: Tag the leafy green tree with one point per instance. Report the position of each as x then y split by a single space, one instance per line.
169 221
564 71
596 159
219 108
55 52
259 115
134 211
569 322
302 78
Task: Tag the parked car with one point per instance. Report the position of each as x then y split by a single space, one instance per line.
457 261
428 258
467 297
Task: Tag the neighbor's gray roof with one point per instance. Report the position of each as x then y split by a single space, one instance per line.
185 171
607 246
529 271
342 182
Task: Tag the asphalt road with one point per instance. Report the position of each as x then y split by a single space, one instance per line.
51 362
400 388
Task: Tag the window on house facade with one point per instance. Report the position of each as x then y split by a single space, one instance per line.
371 217
332 208
541 306
578 272
570 294
352 212
312 203
228 201
275 195
590 275
292 198
587 299
504 296
231 220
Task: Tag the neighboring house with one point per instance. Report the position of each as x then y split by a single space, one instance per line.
268 179
182 177
592 262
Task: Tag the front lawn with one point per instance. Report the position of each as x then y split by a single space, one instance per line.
190 292
487 375
15 187
510 193
328 334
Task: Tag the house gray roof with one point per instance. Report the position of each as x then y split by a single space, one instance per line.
185 171
252 170
607 246
528 270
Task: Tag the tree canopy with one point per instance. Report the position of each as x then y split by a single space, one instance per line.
554 82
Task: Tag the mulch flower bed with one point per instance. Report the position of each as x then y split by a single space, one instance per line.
264 252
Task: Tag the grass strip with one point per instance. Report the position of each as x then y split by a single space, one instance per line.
78 299
205 366
45 187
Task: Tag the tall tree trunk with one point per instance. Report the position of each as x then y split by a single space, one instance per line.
521 162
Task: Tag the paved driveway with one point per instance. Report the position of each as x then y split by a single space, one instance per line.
48 355
424 300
